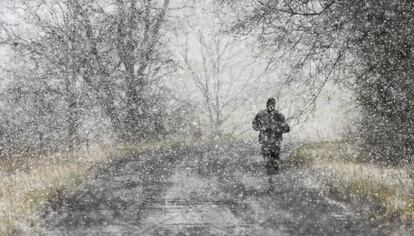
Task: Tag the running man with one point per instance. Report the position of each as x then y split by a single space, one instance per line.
271 124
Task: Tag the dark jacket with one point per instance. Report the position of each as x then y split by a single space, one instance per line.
271 126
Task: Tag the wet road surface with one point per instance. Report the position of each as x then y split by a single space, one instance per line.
202 190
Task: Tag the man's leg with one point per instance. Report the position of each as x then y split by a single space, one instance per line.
266 152
267 156
275 157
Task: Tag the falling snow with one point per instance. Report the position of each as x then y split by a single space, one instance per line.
134 117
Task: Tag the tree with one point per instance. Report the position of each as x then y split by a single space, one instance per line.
365 44
92 52
137 33
216 66
51 50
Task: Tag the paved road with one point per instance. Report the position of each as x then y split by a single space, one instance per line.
219 190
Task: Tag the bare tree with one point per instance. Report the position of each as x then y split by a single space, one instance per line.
364 44
53 46
91 52
216 70
137 54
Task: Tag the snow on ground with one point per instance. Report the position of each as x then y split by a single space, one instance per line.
201 190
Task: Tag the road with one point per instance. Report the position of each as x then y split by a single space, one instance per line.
202 190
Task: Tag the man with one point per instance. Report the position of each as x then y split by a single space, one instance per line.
271 125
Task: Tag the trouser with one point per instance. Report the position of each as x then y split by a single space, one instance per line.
271 155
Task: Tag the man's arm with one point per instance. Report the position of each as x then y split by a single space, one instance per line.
256 123
279 125
285 126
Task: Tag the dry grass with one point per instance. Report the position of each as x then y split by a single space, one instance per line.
24 190
389 191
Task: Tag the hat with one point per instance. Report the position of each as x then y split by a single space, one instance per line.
271 101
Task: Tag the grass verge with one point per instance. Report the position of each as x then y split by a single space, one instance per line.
385 193
26 187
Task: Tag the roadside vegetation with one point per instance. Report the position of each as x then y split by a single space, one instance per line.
81 72
383 192
27 184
